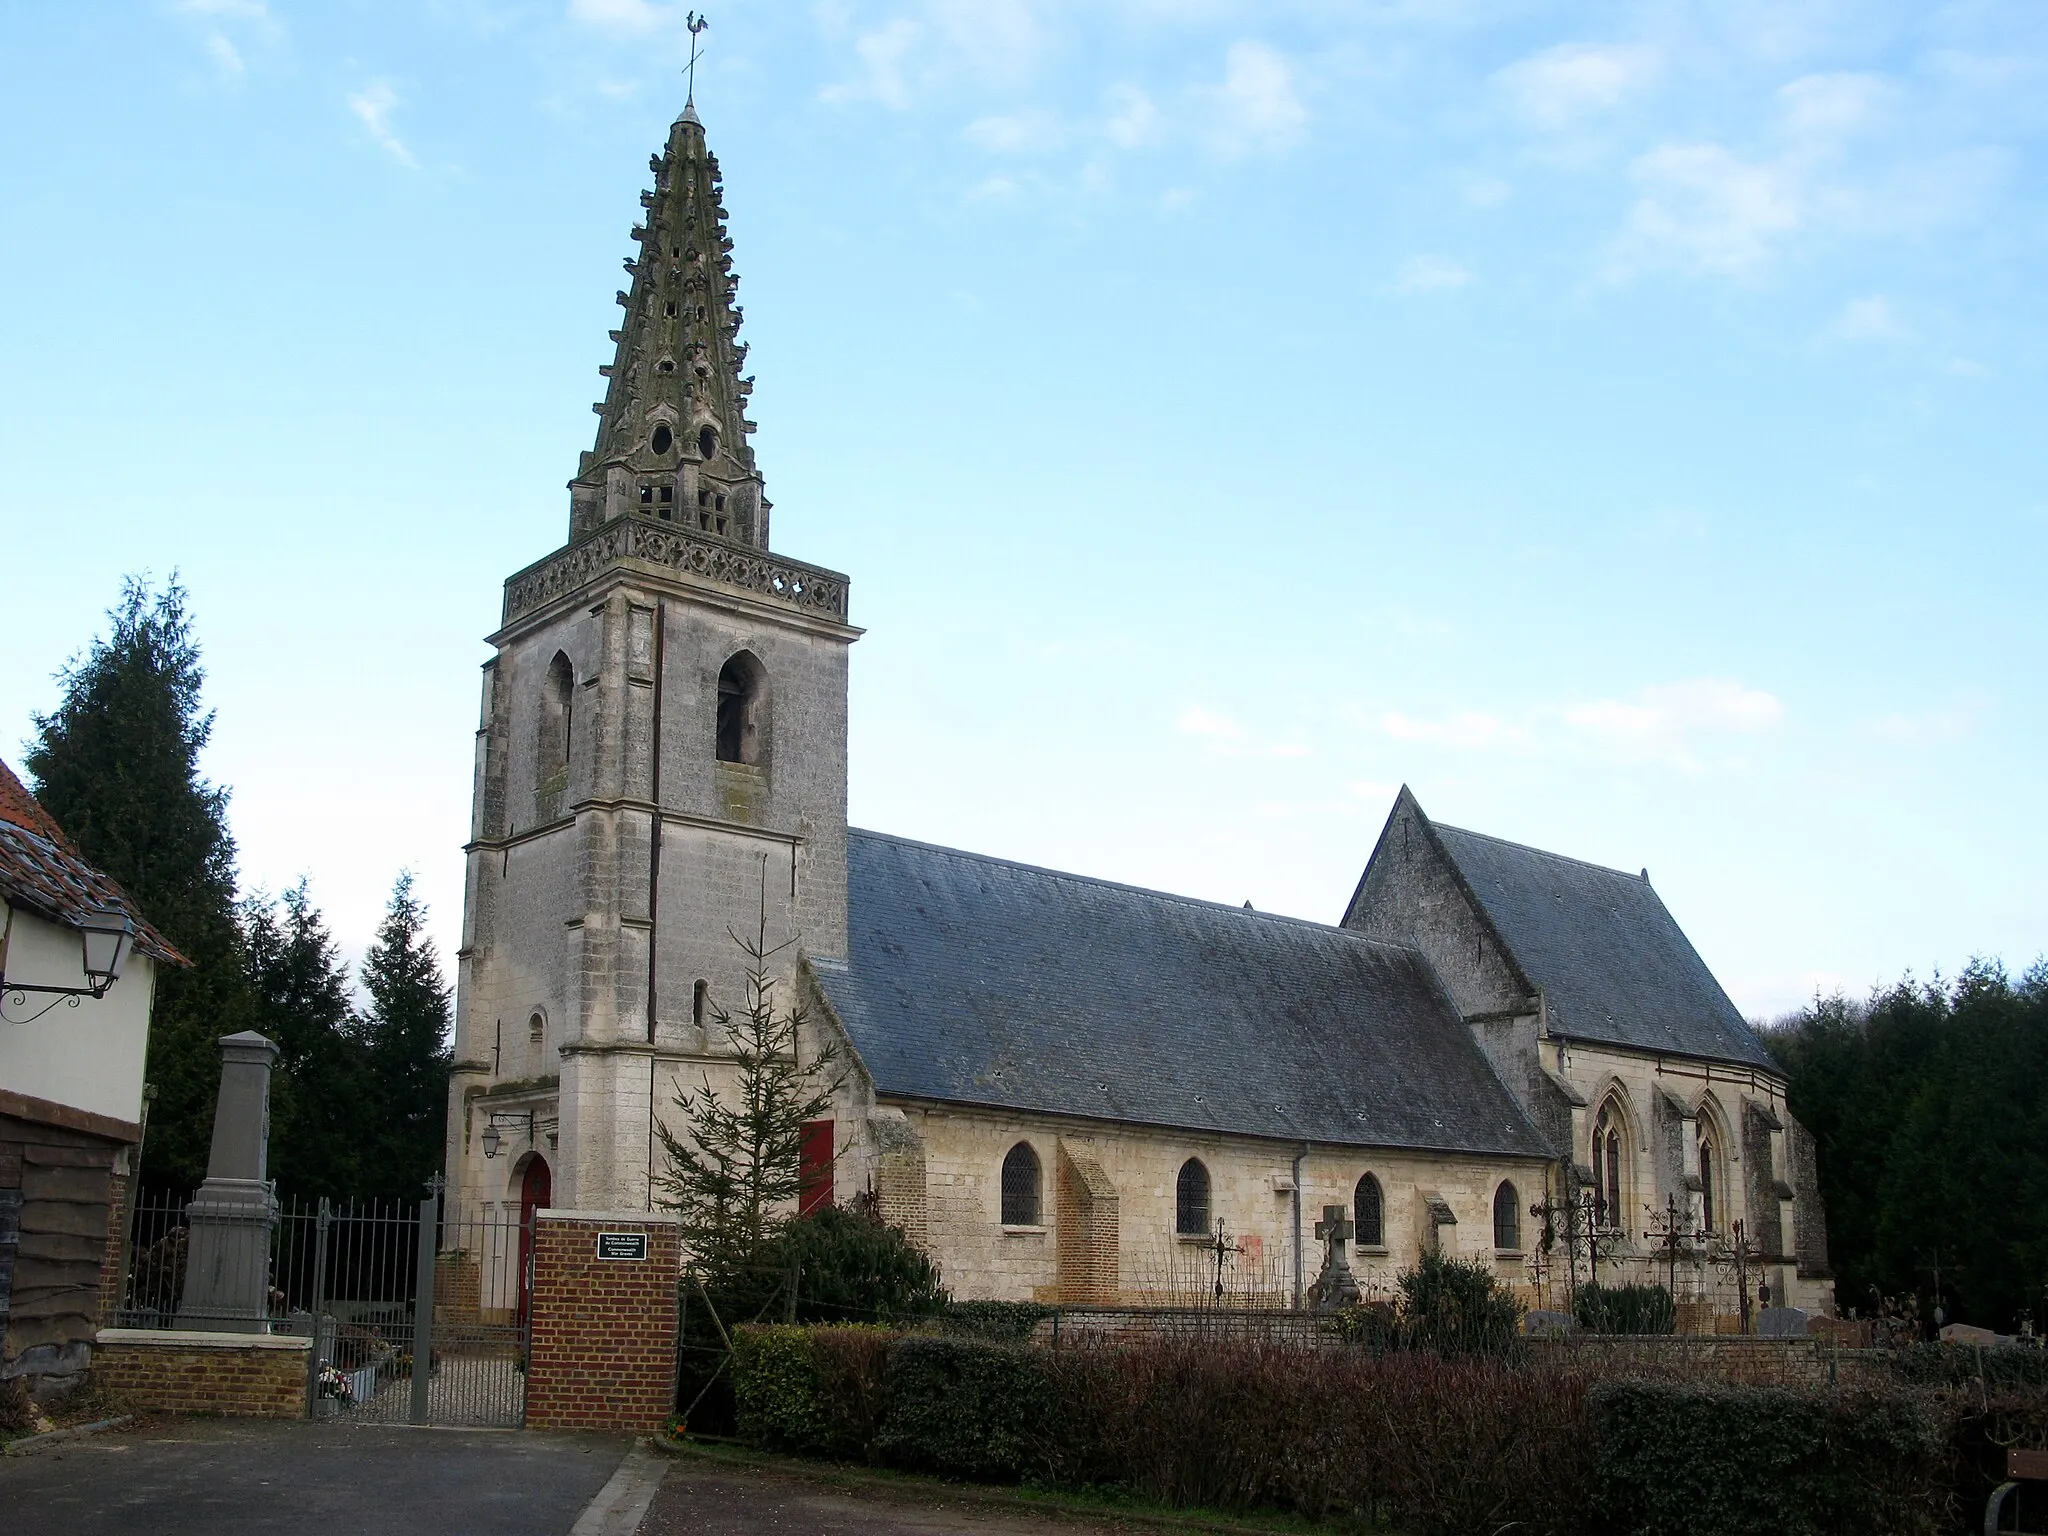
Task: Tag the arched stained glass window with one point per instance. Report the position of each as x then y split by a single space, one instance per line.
1507 1217
1368 1213
1607 1169
1021 1204
1191 1199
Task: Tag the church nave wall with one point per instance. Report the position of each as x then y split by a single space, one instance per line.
963 1152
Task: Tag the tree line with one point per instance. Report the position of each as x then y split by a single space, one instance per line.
359 1095
1928 1106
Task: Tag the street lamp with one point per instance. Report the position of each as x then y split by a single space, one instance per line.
106 934
491 1138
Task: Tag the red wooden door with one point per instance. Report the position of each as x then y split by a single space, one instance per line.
536 1192
814 1168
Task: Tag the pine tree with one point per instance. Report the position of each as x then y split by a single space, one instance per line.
117 764
738 1165
402 1106
302 1004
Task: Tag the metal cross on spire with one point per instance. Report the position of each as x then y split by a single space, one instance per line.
694 24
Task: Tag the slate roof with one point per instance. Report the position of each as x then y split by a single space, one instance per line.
1613 963
974 980
41 871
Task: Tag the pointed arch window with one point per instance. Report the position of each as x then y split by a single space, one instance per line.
1368 1213
1707 1182
551 754
1607 1168
742 689
1507 1217
1021 1199
1191 1199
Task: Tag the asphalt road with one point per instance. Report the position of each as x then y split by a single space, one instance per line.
215 1477
701 1500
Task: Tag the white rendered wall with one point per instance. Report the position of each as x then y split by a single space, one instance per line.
89 1057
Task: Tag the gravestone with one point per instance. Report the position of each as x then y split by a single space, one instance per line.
1336 1286
1541 1323
229 1221
1781 1323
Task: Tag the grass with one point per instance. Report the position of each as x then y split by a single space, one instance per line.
1103 1504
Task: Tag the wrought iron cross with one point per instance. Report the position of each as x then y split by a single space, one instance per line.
693 24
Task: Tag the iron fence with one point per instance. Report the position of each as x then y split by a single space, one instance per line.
375 1284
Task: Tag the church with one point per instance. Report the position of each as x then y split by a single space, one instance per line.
1060 1087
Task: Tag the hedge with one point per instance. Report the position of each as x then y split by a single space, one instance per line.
968 1408
1625 1309
816 1391
1732 1461
1426 1443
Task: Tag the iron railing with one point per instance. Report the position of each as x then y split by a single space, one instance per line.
374 1283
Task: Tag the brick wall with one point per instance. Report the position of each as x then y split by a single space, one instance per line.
236 1375
114 1261
458 1287
1086 1209
604 1330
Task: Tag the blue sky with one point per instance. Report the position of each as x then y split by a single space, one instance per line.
1621 423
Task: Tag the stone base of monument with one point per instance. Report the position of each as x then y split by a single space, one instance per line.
228 1228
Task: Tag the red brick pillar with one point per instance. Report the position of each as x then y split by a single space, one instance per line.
603 1352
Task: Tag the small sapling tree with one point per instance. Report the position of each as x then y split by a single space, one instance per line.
735 1167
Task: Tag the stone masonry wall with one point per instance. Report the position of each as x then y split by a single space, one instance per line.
963 1153
234 1375
603 1354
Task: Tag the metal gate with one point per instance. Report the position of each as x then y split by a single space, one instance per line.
379 1287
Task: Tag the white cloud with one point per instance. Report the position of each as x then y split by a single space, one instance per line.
1018 133
935 45
630 18
1134 120
1257 106
1869 319
1226 738
1666 721
884 54
1560 85
1429 274
226 57
1463 728
217 19
1831 107
1196 721
373 106
1712 210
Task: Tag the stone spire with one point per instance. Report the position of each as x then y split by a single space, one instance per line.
672 436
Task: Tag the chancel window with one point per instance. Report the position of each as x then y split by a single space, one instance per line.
1191 1199
1707 1183
1020 1187
1368 1214
741 683
1607 1170
1507 1217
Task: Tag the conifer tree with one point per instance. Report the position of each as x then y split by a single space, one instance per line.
117 764
302 1004
738 1164
402 1105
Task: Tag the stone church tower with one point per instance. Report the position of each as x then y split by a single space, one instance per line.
662 750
